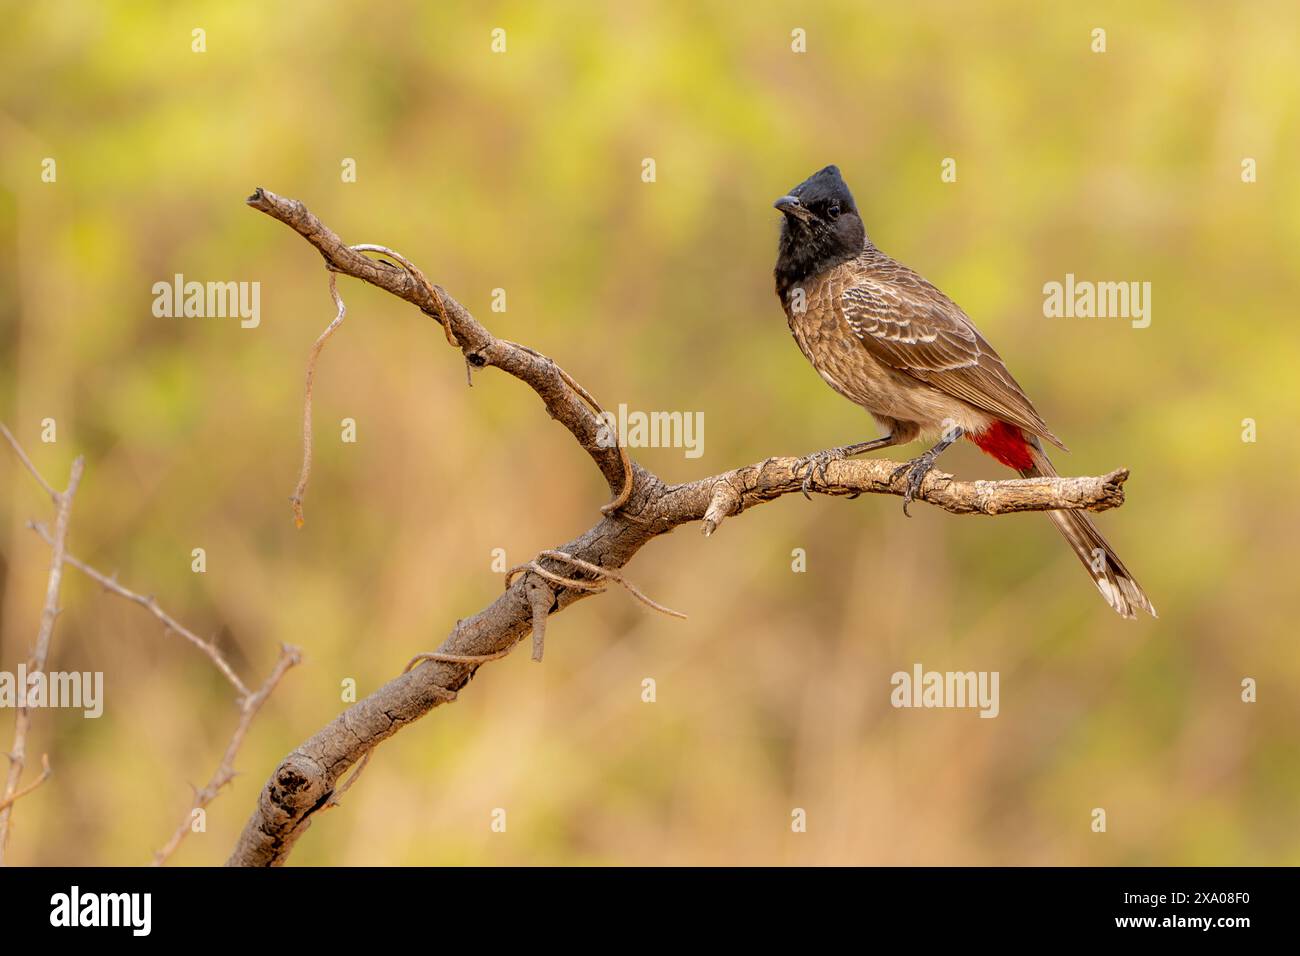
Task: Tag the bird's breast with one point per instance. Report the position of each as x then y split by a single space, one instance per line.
823 334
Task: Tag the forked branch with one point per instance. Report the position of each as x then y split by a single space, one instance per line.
249 702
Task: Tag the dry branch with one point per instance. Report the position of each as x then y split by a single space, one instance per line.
27 463
305 473
731 493
8 802
150 604
308 779
248 707
249 703
41 651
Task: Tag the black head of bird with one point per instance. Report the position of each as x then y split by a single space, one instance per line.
821 227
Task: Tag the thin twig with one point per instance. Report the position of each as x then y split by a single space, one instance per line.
418 276
479 347
305 473
336 798
596 569
456 658
27 463
532 567
150 604
289 657
41 652
249 703
8 802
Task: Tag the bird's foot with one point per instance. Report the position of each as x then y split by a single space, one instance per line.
916 470
815 465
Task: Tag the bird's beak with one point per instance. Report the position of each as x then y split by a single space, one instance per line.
791 206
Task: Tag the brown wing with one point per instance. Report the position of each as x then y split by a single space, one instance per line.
916 329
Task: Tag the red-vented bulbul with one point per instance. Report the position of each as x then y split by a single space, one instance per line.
883 337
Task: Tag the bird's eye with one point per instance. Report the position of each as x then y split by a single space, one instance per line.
833 210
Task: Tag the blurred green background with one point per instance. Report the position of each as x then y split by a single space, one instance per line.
522 171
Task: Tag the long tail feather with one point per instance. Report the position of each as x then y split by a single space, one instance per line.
1113 580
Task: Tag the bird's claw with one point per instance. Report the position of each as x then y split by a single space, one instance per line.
916 470
817 465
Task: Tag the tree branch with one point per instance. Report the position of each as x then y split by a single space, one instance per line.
714 499
27 463
150 604
481 349
249 703
248 707
307 779
41 652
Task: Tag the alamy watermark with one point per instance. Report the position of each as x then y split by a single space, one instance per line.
76 689
133 911
211 300
922 688
632 429
1082 299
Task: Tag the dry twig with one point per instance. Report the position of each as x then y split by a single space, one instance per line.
41 651
249 703
8 802
248 707
150 604
312 357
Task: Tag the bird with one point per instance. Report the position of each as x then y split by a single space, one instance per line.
888 340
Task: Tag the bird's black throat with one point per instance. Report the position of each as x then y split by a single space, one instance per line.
806 251
822 229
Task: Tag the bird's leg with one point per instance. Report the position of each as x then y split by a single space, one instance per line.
920 466
818 461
